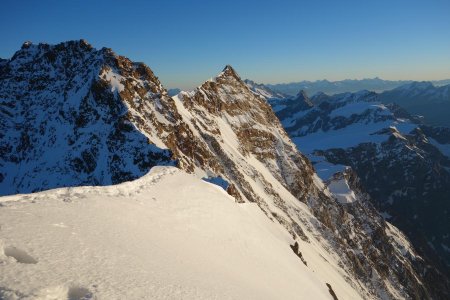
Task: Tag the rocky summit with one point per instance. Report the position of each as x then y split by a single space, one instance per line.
72 115
65 123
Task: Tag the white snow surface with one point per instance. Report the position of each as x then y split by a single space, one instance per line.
351 135
342 191
146 240
324 169
358 108
114 79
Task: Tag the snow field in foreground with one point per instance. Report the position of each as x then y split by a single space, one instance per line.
167 235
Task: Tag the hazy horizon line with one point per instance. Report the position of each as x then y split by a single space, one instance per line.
170 86
318 80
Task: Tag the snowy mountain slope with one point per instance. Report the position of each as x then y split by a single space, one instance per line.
419 89
262 163
220 129
193 242
263 91
422 98
399 161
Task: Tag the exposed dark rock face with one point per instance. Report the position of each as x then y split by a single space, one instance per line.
297 252
332 293
73 115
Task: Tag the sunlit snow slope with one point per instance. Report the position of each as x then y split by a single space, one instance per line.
147 239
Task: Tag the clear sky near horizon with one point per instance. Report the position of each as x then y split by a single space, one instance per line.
187 42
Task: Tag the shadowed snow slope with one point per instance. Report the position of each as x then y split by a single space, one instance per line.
191 242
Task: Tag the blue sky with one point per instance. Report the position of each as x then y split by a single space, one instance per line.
187 42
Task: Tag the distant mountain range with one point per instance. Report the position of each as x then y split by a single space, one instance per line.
343 86
427 100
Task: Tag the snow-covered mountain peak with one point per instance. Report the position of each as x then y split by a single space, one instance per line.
50 51
26 44
228 68
67 115
227 92
227 73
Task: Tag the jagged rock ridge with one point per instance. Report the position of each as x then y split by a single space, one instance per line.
63 122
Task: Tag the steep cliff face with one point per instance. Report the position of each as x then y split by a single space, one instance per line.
244 138
64 123
105 120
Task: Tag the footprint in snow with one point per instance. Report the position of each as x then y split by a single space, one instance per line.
7 293
19 255
62 292
79 293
